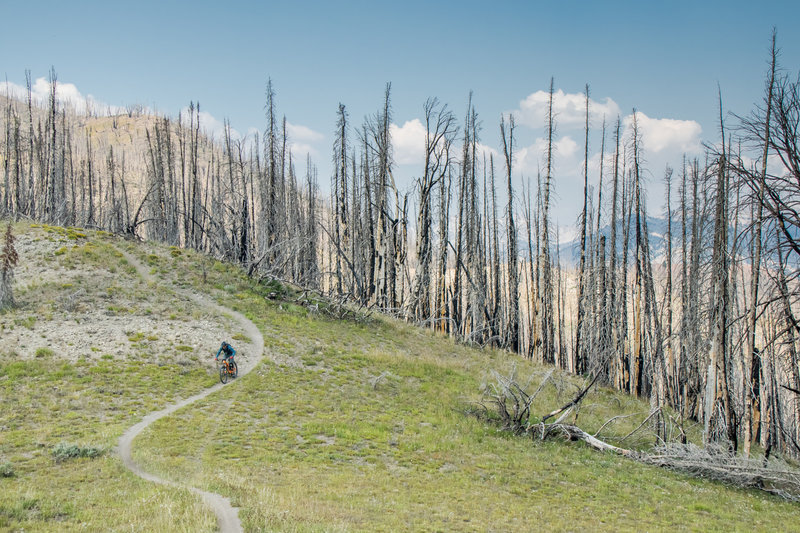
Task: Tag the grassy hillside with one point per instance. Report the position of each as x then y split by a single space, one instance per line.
80 361
346 425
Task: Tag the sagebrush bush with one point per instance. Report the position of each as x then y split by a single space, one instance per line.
6 469
65 451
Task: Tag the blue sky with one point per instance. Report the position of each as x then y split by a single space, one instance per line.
664 58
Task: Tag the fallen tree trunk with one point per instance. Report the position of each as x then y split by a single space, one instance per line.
773 476
574 433
513 413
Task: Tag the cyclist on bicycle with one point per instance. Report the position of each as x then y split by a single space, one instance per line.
227 352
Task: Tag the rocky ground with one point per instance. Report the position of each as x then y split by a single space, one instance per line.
101 308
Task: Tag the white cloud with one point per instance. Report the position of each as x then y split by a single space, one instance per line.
67 94
8 88
775 166
484 150
667 134
214 127
302 140
302 133
408 145
300 150
210 125
530 159
408 142
569 109
566 146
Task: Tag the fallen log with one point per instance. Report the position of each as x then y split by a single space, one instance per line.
574 433
513 404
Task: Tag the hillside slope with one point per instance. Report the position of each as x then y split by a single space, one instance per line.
91 349
347 425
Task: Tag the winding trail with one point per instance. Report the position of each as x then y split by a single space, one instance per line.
227 515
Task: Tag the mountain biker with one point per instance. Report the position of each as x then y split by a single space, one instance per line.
227 352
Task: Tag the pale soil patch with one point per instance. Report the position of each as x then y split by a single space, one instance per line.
103 311
94 335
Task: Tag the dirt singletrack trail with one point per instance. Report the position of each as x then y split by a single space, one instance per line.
227 515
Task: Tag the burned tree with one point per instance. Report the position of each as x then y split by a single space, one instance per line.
8 261
440 129
513 273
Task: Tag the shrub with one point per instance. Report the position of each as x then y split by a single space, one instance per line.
6 469
8 260
65 451
44 352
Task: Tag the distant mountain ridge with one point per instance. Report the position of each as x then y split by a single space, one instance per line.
570 251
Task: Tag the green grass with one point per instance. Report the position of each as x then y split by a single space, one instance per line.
61 419
364 427
65 417
44 352
347 426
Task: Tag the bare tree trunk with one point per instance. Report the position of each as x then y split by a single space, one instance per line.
340 217
442 305
750 349
637 356
624 355
50 201
599 285
440 130
613 312
30 206
497 305
7 161
691 323
580 349
718 410
513 274
546 284
530 279
671 367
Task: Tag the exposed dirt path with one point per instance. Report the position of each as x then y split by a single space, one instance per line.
227 515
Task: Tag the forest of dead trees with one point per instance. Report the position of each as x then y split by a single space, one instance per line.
706 325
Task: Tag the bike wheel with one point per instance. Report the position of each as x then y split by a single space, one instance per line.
234 369
223 374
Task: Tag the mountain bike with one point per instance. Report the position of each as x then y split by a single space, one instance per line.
227 370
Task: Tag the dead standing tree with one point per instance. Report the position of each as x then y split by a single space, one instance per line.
457 296
719 421
476 257
340 228
772 129
8 261
750 348
380 146
440 130
512 328
545 301
579 363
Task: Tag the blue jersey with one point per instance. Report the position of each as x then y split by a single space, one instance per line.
227 351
